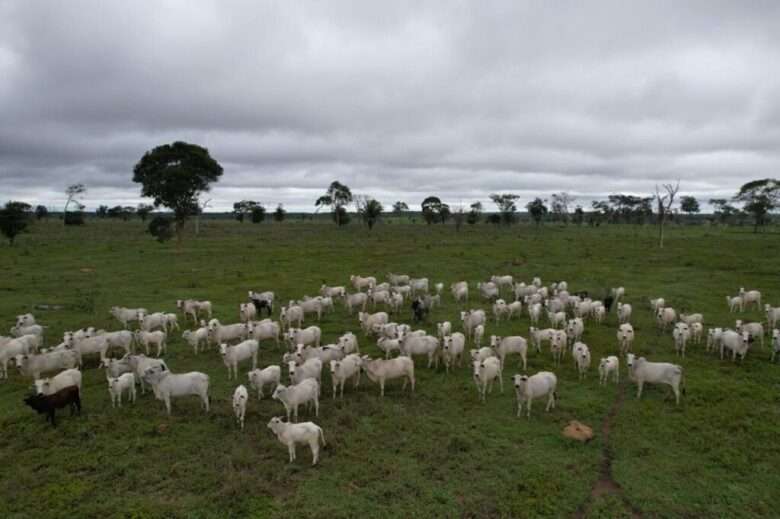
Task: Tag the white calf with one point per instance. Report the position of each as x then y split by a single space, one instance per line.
240 398
485 373
609 365
121 384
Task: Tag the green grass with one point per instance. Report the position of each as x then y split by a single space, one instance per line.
438 453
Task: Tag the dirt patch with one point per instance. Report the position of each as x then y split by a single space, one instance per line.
86 270
605 484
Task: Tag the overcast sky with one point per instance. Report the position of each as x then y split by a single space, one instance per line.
399 100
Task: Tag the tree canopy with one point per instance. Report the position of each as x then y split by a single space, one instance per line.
174 176
506 206
760 197
434 211
337 197
689 204
14 219
537 209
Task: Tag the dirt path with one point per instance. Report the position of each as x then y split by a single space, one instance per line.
605 484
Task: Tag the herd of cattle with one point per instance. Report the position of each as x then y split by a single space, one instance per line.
305 356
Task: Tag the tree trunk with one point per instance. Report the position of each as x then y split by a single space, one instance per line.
661 232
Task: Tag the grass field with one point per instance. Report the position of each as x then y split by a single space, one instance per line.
438 453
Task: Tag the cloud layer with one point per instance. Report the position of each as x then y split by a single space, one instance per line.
399 100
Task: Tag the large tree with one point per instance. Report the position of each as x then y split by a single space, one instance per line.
760 198
41 212
14 218
337 197
537 209
73 193
243 208
475 213
174 176
434 211
370 211
506 206
689 205
279 213
400 207
258 213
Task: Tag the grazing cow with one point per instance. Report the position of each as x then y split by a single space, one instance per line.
48 404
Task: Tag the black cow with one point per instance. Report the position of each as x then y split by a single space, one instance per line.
419 310
261 304
48 404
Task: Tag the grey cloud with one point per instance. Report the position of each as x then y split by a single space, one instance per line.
399 100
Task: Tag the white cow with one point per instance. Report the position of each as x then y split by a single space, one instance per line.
503 346
197 338
488 290
738 343
344 369
380 371
63 379
357 300
310 368
735 303
750 297
460 291
259 378
575 328
119 385
681 335
623 312
527 388
581 354
219 333
388 345
452 349
772 316
167 385
665 317
360 282
756 330
775 343
156 338
290 434
609 365
126 315
625 337
308 336
643 371
368 321
471 319
240 398
308 390
428 345
485 373
232 355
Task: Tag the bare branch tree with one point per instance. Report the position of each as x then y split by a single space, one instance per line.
664 204
201 207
